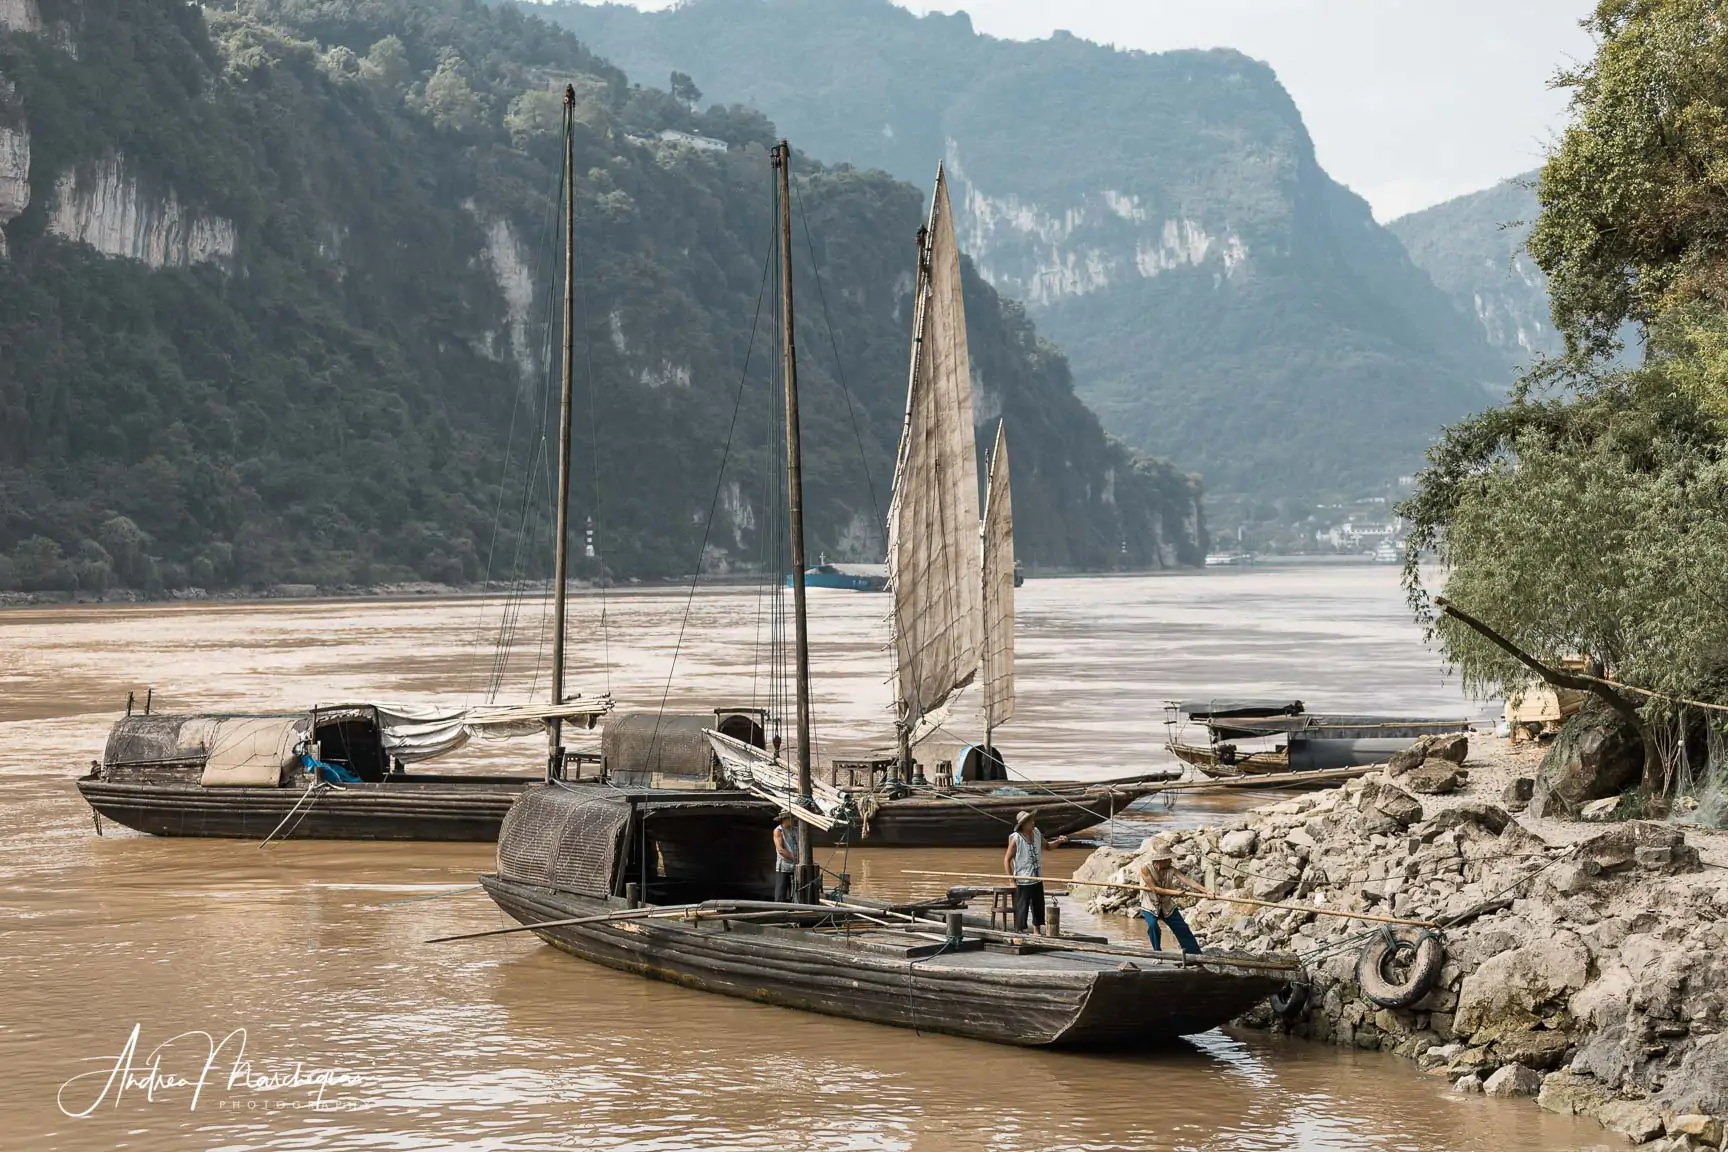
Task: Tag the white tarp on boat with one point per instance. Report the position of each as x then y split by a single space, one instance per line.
425 732
933 519
251 751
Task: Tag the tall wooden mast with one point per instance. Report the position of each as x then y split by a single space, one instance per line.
782 160
560 564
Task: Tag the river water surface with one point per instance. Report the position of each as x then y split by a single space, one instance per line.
335 1026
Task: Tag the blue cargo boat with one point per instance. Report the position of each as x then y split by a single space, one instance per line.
852 577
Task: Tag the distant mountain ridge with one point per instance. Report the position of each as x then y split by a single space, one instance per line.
1222 300
1472 246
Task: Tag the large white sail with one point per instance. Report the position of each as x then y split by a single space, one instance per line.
998 589
933 520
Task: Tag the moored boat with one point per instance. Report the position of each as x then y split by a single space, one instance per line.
1292 740
336 772
672 886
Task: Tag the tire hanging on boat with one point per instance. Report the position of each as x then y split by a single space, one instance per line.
1378 975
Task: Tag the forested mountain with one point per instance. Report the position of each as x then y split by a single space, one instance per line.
1473 248
275 294
1163 216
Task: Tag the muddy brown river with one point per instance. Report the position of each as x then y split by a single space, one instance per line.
184 994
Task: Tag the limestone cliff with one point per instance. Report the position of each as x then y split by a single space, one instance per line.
102 205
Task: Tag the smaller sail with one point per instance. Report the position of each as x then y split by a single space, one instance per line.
762 774
998 573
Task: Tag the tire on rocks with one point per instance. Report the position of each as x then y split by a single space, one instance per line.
1289 1001
1397 969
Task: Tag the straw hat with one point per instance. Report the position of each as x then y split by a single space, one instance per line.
1162 853
785 814
1021 817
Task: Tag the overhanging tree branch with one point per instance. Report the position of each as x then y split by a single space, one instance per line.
1558 677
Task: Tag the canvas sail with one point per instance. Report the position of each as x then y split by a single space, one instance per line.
998 660
933 519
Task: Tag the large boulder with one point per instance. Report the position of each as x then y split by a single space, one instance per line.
1640 844
1597 754
1434 778
1388 808
1515 990
1449 746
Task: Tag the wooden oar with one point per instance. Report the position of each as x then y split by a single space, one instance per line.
626 914
1200 892
722 911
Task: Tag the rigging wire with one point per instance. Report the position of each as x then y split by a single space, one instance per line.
714 502
546 232
839 368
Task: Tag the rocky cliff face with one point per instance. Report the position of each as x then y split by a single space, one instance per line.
20 16
1043 253
103 206
1223 302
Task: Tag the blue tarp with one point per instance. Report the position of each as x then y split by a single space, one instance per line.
329 773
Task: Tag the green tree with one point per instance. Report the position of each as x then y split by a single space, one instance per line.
449 99
685 91
386 64
1589 515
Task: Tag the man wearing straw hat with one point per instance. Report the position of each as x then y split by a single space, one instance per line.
786 833
1160 872
1024 860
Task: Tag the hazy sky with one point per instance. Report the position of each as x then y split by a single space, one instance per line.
1410 102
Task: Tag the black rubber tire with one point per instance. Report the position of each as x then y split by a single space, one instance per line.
1424 953
1290 1001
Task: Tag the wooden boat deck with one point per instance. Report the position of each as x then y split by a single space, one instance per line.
1048 997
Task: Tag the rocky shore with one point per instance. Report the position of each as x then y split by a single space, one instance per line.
1584 965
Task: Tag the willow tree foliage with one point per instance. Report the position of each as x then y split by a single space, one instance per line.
1588 516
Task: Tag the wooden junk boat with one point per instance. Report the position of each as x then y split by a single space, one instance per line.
861 801
336 772
1293 740
674 886
953 581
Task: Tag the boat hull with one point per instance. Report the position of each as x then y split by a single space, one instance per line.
447 811
965 818
1095 1003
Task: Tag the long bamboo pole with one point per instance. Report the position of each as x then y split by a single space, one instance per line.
1203 893
561 552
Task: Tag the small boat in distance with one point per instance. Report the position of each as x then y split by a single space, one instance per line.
1290 739
1230 559
852 577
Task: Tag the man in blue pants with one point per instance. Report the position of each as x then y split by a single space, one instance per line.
1161 872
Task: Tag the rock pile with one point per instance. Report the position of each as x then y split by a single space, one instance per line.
1591 976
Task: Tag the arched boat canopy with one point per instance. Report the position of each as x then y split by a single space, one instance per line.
254 749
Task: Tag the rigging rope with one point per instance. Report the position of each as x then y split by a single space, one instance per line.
839 368
713 504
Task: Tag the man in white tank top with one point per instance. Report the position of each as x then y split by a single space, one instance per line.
1024 860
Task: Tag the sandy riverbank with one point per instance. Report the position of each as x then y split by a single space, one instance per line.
1584 964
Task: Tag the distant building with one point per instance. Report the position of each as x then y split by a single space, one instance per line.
1353 537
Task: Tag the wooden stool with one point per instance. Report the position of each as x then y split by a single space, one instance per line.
1002 909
